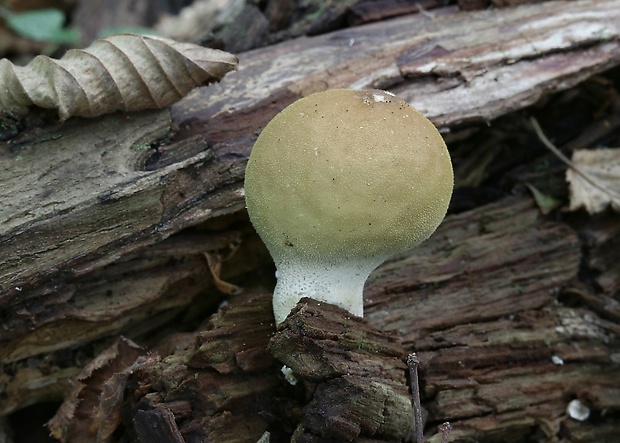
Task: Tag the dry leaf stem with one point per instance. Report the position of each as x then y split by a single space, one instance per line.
543 138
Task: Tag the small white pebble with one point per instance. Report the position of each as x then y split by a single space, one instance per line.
557 360
289 376
577 410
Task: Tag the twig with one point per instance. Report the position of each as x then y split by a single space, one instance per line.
413 362
445 429
545 141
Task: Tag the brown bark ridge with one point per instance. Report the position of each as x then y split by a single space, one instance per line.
104 227
218 385
355 374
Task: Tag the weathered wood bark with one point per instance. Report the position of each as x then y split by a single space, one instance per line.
218 384
500 357
90 246
355 374
480 303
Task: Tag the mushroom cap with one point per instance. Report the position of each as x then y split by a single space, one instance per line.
346 174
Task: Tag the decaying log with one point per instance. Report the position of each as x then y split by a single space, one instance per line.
94 243
219 384
501 358
226 386
356 374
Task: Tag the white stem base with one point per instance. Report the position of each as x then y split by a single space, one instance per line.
341 285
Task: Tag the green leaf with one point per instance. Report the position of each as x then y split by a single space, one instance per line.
546 204
44 25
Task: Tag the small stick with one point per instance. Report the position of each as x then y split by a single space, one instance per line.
445 429
413 362
559 154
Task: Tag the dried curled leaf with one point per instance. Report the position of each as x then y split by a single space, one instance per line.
594 180
125 72
97 393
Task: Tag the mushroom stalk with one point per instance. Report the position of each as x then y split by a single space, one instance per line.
341 284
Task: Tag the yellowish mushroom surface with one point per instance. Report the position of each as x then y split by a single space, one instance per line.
345 176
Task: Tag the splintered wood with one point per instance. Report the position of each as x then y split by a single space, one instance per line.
355 372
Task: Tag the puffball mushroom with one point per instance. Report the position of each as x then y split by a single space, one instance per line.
338 182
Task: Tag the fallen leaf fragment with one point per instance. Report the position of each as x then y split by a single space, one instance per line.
123 72
594 180
546 204
97 393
